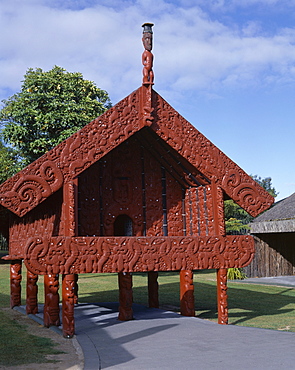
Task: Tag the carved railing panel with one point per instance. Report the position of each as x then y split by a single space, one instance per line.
69 255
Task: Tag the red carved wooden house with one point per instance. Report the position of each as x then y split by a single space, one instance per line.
139 189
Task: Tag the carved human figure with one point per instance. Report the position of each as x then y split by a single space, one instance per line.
15 283
147 56
222 296
51 305
32 293
68 302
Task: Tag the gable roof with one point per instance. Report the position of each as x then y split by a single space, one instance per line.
279 218
142 108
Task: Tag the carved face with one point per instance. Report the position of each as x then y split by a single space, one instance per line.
53 287
147 40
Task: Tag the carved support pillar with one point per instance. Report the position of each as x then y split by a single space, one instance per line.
32 293
68 301
70 281
51 304
125 296
222 296
153 289
15 283
187 301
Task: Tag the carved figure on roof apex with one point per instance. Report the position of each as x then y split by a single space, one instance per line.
147 56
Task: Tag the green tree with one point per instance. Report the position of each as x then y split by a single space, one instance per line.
10 163
50 107
266 184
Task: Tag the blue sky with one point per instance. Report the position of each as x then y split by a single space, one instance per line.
228 66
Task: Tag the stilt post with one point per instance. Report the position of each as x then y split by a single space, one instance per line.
187 302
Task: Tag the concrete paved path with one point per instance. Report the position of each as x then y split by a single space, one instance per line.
159 339
164 340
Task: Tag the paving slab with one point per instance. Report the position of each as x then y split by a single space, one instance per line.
158 339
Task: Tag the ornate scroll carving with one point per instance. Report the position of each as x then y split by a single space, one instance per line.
71 255
42 220
30 189
32 293
208 159
222 296
15 283
51 304
187 301
125 296
40 179
68 301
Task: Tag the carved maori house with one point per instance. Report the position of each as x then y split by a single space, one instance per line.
137 189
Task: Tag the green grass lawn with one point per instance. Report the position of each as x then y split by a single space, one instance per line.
259 306
249 305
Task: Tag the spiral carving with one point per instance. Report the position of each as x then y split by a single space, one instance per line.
73 255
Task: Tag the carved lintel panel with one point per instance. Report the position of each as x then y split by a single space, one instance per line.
15 283
222 296
125 296
32 293
51 304
68 302
187 301
71 255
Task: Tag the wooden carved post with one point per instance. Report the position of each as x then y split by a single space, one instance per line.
68 301
222 296
15 283
32 293
125 296
69 281
187 301
219 228
153 289
51 305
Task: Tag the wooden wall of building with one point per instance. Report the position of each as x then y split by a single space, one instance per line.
274 255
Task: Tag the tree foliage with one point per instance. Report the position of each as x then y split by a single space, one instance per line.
50 107
10 163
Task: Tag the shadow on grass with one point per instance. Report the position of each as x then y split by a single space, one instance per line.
245 302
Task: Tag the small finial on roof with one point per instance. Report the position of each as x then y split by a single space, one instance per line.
147 56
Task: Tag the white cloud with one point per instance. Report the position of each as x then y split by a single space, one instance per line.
192 51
